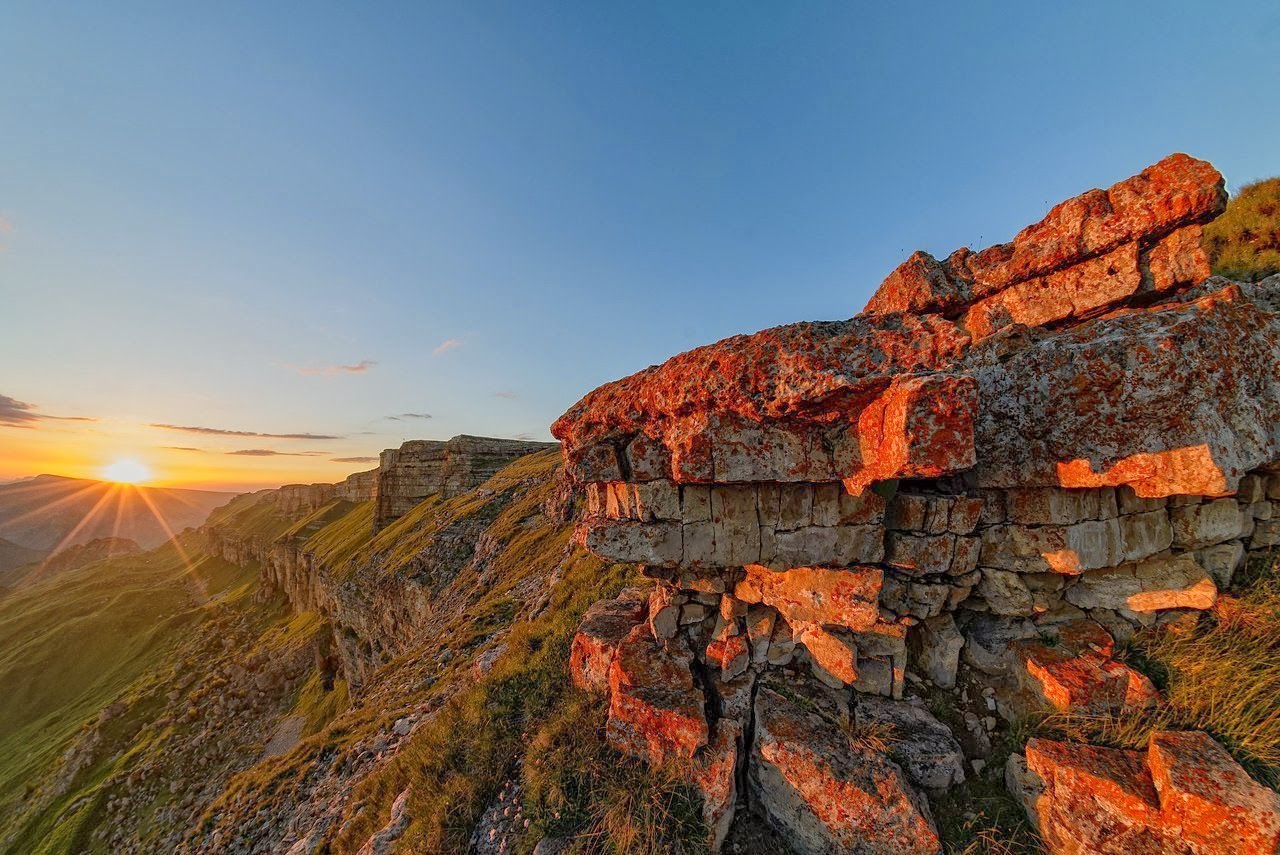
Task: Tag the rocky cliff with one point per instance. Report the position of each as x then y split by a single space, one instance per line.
422 468
373 614
1010 460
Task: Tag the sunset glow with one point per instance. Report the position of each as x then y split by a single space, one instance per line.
127 471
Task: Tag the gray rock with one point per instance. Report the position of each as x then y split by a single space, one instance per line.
921 745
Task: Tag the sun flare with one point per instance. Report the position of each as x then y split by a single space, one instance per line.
127 472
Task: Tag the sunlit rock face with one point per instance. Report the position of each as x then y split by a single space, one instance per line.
421 468
1184 795
1010 459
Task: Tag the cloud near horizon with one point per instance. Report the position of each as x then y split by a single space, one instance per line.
447 344
360 367
15 413
409 416
353 459
182 448
208 431
506 393
271 452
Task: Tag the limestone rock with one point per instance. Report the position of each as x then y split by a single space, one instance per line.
833 653
603 628
846 598
1176 192
921 745
1184 795
1097 800
714 776
1209 798
655 709
989 641
940 644
1076 674
1203 525
825 793
1147 586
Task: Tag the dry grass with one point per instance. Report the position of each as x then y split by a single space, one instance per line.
576 787
1224 678
1244 243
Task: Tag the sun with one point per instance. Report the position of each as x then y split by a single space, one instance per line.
127 472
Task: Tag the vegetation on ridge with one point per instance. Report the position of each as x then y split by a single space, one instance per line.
1244 243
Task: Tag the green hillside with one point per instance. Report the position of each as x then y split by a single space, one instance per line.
1244 243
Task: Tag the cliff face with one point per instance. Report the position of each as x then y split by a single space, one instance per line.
359 486
373 613
1011 459
421 468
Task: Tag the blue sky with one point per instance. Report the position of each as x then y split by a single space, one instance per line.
203 203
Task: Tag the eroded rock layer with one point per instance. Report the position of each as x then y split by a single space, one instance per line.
421 468
1010 460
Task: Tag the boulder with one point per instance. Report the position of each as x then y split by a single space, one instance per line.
1076 674
602 630
1209 798
1184 795
1095 800
923 746
655 710
827 793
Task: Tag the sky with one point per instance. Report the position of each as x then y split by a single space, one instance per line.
245 244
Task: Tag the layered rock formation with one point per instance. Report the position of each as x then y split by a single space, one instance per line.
358 486
421 468
1011 458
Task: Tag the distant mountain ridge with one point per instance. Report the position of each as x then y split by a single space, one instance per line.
51 512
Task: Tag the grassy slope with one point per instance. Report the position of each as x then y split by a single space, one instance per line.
120 630
1244 243
521 717
71 646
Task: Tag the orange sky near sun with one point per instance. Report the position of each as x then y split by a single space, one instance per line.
85 450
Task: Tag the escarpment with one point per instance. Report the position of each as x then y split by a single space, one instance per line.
1010 461
422 467
332 549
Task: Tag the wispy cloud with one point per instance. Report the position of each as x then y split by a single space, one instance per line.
409 416
360 367
353 459
15 413
182 448
524 437
447 344
506 393
271 452
208 431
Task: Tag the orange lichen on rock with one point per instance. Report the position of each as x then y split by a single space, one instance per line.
655 711
1176 192
1184 795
